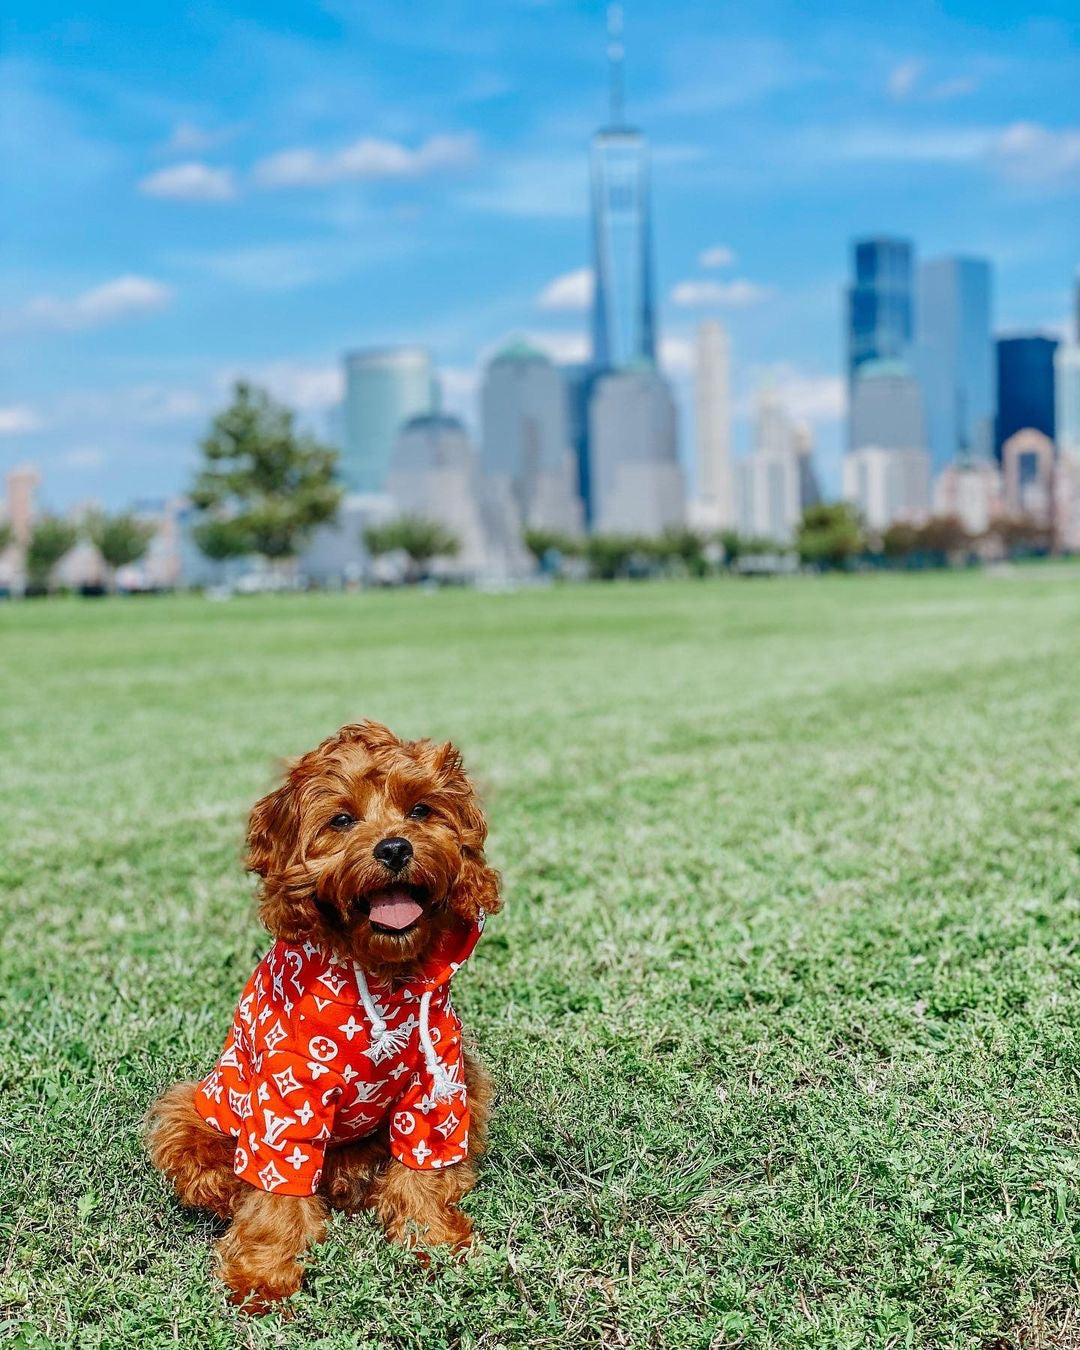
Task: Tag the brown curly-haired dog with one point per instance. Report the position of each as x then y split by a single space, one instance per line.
343 1080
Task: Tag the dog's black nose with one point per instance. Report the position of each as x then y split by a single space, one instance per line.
394 852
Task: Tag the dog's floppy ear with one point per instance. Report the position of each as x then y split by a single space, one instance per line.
477 884
476 887
272 830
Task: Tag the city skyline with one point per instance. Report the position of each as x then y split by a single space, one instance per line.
175 229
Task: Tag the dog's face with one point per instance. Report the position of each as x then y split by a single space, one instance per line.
371 848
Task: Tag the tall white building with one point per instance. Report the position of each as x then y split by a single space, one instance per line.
714 505
1067 397
775 483
887 485
526 438
1067 420
434 474
636 480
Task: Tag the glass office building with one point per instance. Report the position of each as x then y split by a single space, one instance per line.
623 327
384 388
955 359
880 303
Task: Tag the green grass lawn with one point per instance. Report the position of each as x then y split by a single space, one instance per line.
783 1007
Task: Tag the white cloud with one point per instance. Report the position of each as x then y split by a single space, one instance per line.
145 404
125 297
83 457
192 181
677 354
303 386
737 294
459 382
1023 151
572 290
717 256
534 187
16 419
459 386
903 78
940 145
189 139
1029 151
365 159
806 396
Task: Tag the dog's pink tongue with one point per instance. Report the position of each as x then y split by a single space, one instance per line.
394 909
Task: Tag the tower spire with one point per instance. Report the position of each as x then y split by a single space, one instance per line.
615 64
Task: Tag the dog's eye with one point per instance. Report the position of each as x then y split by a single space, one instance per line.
343 821
420 811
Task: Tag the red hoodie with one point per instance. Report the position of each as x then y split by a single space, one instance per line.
317 1055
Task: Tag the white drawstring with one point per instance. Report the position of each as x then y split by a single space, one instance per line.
443 1085
378 1026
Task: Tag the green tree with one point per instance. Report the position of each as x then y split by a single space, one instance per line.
121 540
732 543
263 486
422 540
541 543
900 541
941 538
685 546
829 535
1021 536
7 534
618 555
219 538
50 539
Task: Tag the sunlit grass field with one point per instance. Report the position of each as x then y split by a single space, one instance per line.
784 1004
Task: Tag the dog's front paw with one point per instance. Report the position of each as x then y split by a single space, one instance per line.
256 1289
447 1228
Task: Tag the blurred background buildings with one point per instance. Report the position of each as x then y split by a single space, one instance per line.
944 415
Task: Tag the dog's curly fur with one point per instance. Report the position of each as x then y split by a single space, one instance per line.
313 887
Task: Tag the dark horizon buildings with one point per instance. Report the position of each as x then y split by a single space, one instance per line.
1025 386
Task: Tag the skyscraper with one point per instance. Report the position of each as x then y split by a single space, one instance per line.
1025 386
623 325
880 306
715 483
887 485
887 408
384 387
432 474
579 378
1067 397
637 482
775 483
526 438
955 359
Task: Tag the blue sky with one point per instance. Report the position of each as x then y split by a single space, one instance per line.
198 191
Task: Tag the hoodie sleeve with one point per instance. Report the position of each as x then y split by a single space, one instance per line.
290 1117
430 1124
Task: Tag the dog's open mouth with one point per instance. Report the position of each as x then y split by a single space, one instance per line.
395 910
